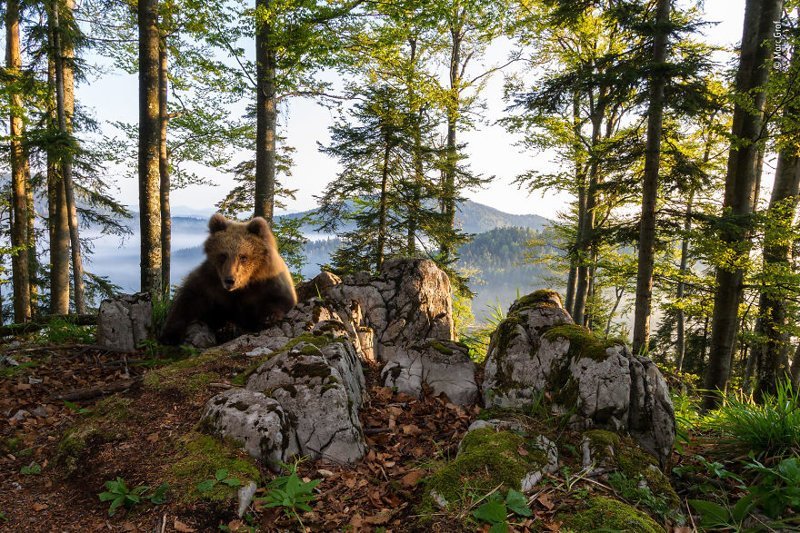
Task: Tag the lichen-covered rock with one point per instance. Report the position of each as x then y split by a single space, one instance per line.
124 322
445 366
538 352
315 393
252 419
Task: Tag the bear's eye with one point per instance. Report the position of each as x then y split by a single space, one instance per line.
243 259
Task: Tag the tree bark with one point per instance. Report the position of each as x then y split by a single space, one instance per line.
740 193
64 78
266 118
580 184
647 230
20 172
381 252
149 143
684 268
57 218
773 310
453 108
163 166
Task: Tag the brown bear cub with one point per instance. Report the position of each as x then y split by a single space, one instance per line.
243 281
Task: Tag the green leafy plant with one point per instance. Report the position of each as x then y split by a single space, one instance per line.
778 488
771 427
495 510
290 493
77 409
118 493
61 331
32 469
220 476
636 493
715 515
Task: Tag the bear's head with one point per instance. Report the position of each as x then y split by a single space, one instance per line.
241 252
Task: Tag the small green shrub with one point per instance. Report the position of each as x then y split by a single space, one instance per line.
477 338
496 510
33 469
61 331
778 488
291 494
220 476
118 493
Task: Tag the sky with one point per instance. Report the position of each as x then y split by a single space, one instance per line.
490 149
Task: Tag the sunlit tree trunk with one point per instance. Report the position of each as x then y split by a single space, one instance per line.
740 187
680 327
163 166
266 117
20 171
149 147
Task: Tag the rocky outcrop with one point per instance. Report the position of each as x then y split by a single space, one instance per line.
124 322
537 352
444 366
303 400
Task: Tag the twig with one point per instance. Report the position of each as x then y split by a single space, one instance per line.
691 518
88 393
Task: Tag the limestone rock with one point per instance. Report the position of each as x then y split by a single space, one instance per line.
124 322
253 419
538 352
445 366
320 389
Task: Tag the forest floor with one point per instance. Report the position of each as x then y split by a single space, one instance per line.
407 438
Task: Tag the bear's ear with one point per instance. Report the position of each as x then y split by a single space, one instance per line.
259 226
217 223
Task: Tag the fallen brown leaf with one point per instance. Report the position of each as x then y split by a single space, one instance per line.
412 478
182 528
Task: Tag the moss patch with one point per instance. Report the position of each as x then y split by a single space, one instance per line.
540 298
197 459
633 462
582 342
611 515
488 458
187 375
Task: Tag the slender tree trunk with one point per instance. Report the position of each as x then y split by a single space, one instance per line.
382 208
754 65
453 105
64 77
587 226
58 219
647 230
20 172
684 268
773 312
149 142
266 118
33 258
580 184
163 166
796 367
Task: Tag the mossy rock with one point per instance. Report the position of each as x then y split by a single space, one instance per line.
537 299
633 462
313 345
582 342
487 459
199 457
605 514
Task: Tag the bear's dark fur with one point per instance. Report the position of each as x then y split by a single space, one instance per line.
243 281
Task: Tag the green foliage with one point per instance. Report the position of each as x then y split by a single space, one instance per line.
63 331
31 469
118 493
496 508
769 428
714 515
477 338
777 489
634 491
220 476
290 493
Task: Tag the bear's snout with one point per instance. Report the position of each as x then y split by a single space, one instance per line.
229 282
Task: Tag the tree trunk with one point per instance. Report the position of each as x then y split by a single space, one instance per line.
647 230
33 258
796 368
57 218
580 184
754 65
149 143
583 251
163 166
684 268
773 310
266 118
382 208
20 172
451 152
65 86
